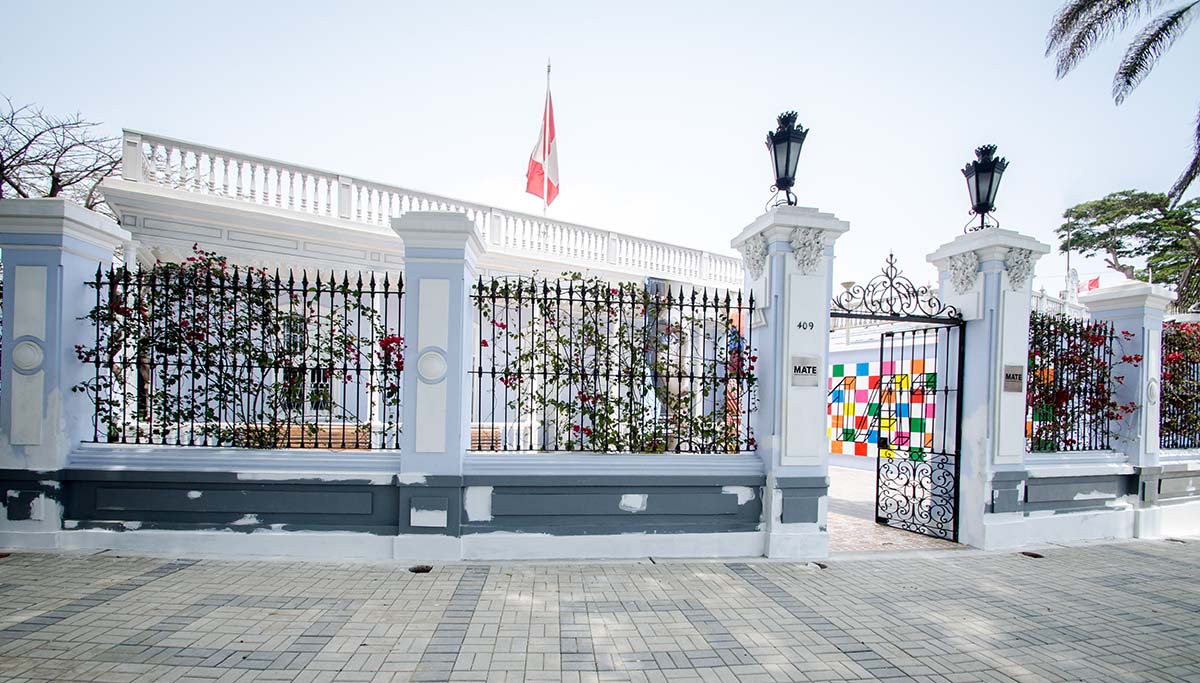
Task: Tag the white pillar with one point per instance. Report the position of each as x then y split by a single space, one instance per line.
788 258
133 159
1136 308
440 253
987 275
51 249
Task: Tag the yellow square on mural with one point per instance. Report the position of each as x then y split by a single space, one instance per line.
887 424
847 409
887 453
902 381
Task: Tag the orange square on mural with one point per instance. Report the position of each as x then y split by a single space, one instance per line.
849 382
837 422
918 366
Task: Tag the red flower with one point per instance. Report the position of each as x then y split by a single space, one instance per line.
483 343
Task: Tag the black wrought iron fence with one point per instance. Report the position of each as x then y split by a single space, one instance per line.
1069 402
1179 419
581 364
203 353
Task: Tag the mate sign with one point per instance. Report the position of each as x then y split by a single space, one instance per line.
1014 378
804 371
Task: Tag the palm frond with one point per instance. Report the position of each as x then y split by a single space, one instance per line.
1081 25
1190 173
1150 44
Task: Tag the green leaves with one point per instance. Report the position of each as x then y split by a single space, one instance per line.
1130 225
1081 25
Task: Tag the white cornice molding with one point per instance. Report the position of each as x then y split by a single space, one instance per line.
60 217
992 244
778 224
1128 295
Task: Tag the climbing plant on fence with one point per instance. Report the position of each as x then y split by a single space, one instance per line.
209 354
581 364
1179 423
1069 404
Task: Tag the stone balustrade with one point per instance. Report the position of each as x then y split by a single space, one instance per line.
207 170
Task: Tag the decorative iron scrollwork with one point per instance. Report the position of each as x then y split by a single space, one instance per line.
891 295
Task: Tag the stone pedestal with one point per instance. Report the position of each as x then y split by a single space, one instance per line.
440 253
51 249
788 257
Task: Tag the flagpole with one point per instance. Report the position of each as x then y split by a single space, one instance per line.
545 141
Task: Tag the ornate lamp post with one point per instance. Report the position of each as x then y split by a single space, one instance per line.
983 179
784 144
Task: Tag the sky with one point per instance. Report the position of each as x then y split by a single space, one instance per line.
661 108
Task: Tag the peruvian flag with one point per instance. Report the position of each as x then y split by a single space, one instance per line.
542 177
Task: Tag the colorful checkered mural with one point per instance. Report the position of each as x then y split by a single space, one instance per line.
883 409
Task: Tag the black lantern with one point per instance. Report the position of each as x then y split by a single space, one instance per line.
983 178
784 144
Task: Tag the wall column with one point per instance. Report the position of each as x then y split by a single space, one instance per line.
51 249
440 253
788 256
987 275
1138 308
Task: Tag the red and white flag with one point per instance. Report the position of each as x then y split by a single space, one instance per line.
1094 283
542 177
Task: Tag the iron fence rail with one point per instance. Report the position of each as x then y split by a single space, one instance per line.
1179 417
208 354
580 364
1069 390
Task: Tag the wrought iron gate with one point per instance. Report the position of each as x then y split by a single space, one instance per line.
913 403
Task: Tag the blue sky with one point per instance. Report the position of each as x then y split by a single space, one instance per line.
661 108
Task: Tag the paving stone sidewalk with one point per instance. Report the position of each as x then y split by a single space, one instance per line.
1116 612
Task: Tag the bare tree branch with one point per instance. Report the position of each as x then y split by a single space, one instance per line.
43 155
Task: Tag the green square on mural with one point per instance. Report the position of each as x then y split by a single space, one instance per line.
847 435
872 409
931 380
916 424
839 370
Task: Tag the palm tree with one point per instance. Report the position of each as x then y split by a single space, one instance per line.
1081 25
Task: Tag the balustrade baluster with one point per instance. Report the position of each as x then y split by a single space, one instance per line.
211 173
225 176
278 189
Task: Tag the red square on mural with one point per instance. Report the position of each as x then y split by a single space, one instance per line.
860 448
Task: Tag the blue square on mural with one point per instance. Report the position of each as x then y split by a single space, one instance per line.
902 409
873 436
863 369
836 396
